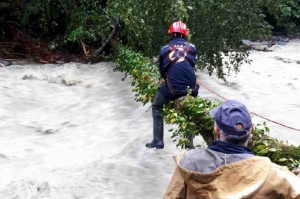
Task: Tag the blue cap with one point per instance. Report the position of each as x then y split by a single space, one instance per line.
229 114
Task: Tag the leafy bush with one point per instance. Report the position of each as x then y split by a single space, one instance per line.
192 118
278 151
286 14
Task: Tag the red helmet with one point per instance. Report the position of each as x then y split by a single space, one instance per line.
178 26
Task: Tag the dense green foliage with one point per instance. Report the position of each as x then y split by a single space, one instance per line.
86 26
192 116
77 21
285 15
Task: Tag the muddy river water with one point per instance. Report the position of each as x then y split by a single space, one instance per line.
86 141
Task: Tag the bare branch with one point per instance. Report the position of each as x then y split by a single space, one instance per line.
106 42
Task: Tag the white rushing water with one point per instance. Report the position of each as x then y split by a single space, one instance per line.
269 87
87 141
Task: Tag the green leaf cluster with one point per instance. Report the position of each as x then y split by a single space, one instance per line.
192 118
286 13
144 75
279 152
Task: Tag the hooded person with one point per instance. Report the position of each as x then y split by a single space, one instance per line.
176 66
227 169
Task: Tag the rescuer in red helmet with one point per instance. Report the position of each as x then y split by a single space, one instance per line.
176 66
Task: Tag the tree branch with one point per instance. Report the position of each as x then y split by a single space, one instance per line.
106 42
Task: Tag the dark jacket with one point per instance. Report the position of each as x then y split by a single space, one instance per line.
181 74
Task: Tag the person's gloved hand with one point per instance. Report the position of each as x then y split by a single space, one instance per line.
297 172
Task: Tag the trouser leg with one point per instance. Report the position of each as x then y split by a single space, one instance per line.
158 124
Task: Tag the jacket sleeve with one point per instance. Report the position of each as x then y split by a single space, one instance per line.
292 186
177 187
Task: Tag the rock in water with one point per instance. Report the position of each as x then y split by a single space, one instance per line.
246 42
4 63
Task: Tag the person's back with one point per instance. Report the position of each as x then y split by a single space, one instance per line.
227 169
182 75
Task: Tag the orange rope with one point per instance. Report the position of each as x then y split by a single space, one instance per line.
212 91
250 111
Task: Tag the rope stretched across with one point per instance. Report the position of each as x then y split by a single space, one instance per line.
250 111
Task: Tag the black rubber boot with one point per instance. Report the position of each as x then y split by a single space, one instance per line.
158 129
190 145
155 144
